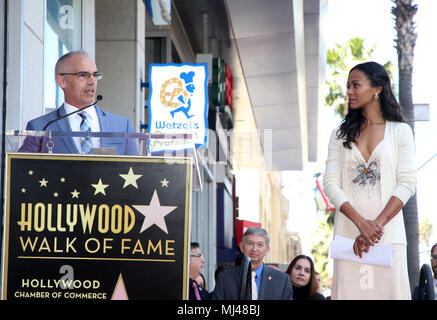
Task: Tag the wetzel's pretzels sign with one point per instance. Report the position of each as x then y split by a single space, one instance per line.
178 102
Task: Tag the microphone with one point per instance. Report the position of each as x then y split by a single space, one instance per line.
98 98
245 278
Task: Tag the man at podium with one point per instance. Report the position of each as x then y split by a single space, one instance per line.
77 75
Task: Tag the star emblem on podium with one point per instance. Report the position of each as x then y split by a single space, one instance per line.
154 213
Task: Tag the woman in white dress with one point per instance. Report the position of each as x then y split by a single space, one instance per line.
370 175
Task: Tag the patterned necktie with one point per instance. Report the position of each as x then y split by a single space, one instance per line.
196 291
85 143
254 287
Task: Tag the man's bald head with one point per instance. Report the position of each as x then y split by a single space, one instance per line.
61 65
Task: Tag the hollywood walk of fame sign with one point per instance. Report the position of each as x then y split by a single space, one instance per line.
96 228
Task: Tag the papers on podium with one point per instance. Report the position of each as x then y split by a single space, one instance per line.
379 254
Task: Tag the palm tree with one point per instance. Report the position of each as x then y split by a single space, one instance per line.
404 11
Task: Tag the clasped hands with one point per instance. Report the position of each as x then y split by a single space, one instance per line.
371 233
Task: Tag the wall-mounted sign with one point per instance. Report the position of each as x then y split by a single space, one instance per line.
178 102
96 228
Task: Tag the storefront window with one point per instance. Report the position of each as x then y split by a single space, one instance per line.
62 34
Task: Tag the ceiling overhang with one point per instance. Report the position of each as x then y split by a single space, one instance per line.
276 41
274 51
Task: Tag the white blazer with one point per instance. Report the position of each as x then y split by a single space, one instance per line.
398 176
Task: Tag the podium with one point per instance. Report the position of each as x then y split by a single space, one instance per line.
100 226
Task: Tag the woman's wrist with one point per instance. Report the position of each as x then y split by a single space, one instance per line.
380 221
352 214
358 221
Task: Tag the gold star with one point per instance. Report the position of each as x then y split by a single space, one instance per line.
43 182
56 194
100 187
30 172
23 190
75 194
130 178
164 183
62 179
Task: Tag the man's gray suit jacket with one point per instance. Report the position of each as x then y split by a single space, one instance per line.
275 285
108 123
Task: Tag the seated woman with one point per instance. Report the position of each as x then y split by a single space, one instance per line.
303 278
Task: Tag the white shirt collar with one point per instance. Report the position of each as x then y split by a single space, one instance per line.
75 119
90 112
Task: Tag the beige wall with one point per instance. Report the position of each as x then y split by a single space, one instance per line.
120 55
273 216
261 200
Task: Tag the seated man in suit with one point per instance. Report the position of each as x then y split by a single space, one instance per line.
77 75
416 294
196 292
271 284
434 267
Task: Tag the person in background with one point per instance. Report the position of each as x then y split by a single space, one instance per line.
319 281
197 261
434 267
201 281
415 295
303 278
267 283
222 268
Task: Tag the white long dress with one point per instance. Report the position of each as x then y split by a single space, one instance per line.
357 281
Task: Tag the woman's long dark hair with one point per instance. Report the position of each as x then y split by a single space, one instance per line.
354 120
313 284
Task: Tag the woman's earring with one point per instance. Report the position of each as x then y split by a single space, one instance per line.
376 96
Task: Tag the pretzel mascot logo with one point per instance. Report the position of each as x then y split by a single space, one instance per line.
177 92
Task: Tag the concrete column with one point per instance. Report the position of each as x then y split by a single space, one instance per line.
89 27
120 55
315 58
33 60
14 77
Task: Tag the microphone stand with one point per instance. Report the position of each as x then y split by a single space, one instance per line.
245 279
98 98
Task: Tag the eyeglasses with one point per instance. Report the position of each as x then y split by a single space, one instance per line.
433 257
196 255
84 75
